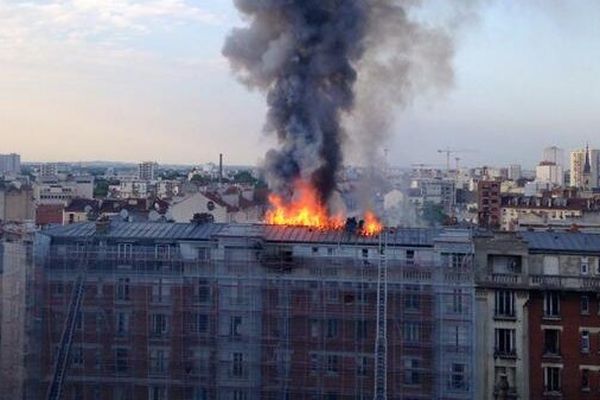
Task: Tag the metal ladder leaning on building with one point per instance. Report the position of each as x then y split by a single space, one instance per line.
62 359
380 392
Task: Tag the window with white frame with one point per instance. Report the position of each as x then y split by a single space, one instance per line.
585 341
584 266
552 304
505 342
552 379
585 379
412 371
235 326
124 251
161 291
123 289
157 393
362 365
159 324
458 376
158 361
411 332
504 303
552 342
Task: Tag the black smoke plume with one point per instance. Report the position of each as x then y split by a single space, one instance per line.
306 55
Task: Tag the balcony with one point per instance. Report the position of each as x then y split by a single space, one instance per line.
510 354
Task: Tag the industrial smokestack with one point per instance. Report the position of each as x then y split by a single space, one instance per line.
220 168
307 56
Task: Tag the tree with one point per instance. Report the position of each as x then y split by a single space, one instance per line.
433 214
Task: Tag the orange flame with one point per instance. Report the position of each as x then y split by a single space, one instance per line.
372 225
305 209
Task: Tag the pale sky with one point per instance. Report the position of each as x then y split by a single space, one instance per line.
138 80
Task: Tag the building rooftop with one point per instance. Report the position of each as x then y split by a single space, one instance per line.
270 233
566 242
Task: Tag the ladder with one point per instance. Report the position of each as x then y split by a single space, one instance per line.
380 381
62 358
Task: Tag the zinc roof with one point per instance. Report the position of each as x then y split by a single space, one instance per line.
576 242
270 233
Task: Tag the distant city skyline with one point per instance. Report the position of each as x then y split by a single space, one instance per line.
127 80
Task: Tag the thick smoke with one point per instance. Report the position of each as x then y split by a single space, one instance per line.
307 55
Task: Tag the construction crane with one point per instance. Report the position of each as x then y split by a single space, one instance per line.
448 151
381 342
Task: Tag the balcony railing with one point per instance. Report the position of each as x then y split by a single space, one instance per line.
545 281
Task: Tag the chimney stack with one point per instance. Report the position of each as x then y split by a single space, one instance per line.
220 168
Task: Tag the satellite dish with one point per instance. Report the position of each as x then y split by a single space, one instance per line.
153 216
124 214
87 209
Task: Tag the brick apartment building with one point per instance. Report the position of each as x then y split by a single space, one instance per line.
538 315
190 311
489 203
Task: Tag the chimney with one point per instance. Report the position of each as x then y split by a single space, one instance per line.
102 225
220 168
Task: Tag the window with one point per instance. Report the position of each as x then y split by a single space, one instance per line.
123 289
202 291
122 323
454 260
197 323
457 301
411 332
585 341
584 266
362 365
162 252
361 329
458 379
412 371
585 379
161 291
410 257
552 379
158 361
332 328
158 325
77 357
412 301
121 359
505 303
239 395
235 326
199 393
332 364
332 293
314 363
124 251
315 328
551 305
157 393
237 368
505 342
365 253
585 305
551 342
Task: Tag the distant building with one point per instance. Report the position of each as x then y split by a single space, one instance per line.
62 192
48 169
515 172
584 168
10 164
489 204
16 204
548 171
554 155
49 214
147 170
